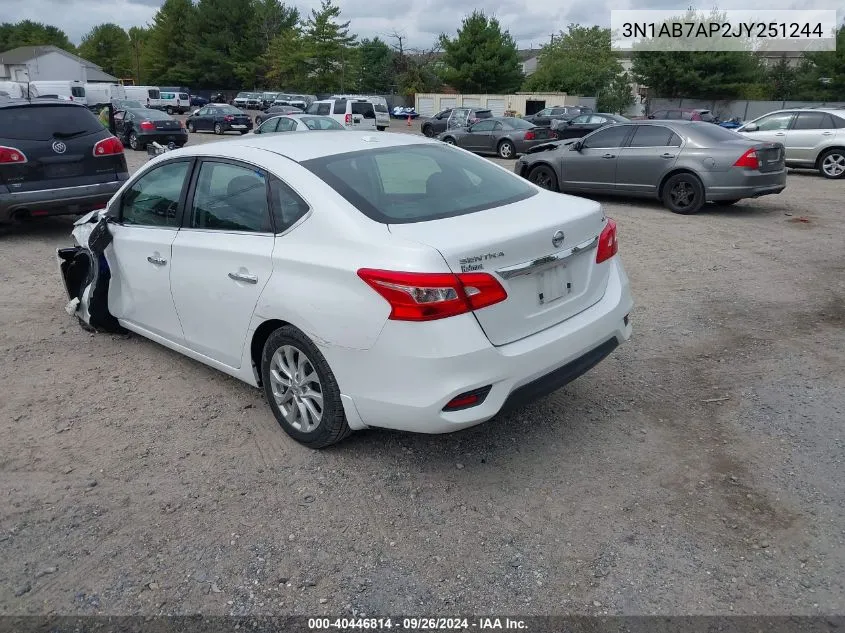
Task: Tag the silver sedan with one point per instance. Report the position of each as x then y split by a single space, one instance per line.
682 163
504 136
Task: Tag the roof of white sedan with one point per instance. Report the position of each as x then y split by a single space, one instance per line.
302 147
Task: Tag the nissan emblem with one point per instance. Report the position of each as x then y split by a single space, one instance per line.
557 239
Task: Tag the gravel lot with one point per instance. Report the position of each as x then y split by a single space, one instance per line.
697 470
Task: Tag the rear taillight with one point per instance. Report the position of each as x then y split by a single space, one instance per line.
430 296
608 245
11 156
108 147
748 160
147 125
348 119
530 136
182 124
229 117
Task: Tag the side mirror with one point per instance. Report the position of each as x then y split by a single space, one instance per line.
576 147
751 127
650 116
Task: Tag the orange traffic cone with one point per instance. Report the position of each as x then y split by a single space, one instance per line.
409 121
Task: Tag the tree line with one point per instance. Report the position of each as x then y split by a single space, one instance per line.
266 44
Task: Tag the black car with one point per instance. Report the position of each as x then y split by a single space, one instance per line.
583 124
138 127
437 124
276 111
198 101
545 116
56 158
219 119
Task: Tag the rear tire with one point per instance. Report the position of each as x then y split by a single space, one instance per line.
218 129
427 130
506 150
381 128
296 377
449 140
832 164
134 143
683 193
169 110
191 128
544 176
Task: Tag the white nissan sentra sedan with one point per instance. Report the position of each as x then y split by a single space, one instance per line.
382 280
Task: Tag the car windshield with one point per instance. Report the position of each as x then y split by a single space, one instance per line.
242 95
321 123
517 124
416 183
45 122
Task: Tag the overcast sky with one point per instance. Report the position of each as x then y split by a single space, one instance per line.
530 21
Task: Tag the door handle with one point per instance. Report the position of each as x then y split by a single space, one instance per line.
667 155
158 261
827 133
781 134
250 279
609 156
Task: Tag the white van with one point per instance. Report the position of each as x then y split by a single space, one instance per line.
380 106
103 94
69 90
357 114
150 96
13 89
175 102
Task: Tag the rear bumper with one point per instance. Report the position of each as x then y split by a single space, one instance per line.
63 201
177 136
230 127
737 184
414 369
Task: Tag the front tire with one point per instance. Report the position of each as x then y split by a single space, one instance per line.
191 128
301 389
683 193
428 131
832 164
449 140
169 110
544 176
381 128
506 150
134 142
218 129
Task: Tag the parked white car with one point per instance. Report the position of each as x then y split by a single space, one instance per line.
358 114
150 96
380 106
382 280
104 94
175 102
68 90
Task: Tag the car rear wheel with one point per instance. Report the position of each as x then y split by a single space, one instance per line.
134 143
683 193
381 128
218 129
301 389
428 131
169 110
543 176
449 140
832 164
506 149
191 127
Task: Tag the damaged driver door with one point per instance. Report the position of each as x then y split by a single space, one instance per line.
148 217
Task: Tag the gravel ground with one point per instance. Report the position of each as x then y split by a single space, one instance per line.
698 470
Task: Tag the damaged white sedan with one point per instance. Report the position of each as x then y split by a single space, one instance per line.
386 280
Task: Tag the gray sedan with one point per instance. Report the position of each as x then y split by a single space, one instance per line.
682 163
505 136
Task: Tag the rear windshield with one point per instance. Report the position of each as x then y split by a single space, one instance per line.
517 124
184 96
380 108
365 108
417 183
152 115
77 91
321 123
714 132
154 94
48 121
483 114
706 116
227 110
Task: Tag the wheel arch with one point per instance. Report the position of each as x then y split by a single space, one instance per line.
824 151
259 338
674 172
527 169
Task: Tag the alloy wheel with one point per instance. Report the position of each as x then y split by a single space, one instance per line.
683 194
296 388
834 165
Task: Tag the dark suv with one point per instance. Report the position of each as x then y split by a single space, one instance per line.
56 158
437 124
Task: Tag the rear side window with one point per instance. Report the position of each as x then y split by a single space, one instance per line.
380 108
288 207
813 121
483 114
45 122
398 185
77 91
183 96
651 136
339 107
321 123
154 94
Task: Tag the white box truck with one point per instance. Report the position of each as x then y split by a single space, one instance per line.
69 90
103 94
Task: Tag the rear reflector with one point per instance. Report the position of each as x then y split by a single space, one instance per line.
608 245
468 399
11 156
748 160
108 147
430 296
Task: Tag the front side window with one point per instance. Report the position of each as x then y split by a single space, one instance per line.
418 183
582 119
153 200
779 121
268 126
286 125
321 123
607 138
230 198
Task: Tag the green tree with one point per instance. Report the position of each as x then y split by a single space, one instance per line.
107 45
782 80
616 97
285 60
167 52
138 38
29 33
327 42
579 62
482 57
375 67
274 18
824 73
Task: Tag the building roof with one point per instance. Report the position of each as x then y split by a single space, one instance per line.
23 54
94 75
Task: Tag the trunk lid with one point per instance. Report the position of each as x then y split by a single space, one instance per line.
770 156
546 282
166 125
58 142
